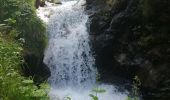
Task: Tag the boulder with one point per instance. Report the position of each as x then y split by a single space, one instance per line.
35 67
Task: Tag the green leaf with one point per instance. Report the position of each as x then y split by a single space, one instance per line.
28 82
94 97
67 98
2 25
98 90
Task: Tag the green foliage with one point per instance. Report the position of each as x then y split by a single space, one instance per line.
96 91
67 98
20 15
97 77
135 89
136 86
21 31
94 97
13 86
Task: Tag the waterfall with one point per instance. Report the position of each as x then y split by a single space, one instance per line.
69 57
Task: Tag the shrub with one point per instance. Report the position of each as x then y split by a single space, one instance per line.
20 15
21 31
12 84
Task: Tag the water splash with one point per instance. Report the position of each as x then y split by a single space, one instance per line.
68 55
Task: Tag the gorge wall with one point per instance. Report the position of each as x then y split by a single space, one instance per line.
131 37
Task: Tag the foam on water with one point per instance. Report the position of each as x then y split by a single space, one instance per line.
73 71
76 94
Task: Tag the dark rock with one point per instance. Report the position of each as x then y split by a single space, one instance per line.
37 3
40 3
35 67
131 37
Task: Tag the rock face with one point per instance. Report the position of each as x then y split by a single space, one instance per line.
35 67
39 3
131 37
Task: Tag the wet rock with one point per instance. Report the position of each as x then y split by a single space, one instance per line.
131 37
37 3
55 1
40 3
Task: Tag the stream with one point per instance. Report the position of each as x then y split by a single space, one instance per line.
69 56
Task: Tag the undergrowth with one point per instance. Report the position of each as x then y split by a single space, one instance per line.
21 32
13 86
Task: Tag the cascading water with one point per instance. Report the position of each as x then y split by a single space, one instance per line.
68 55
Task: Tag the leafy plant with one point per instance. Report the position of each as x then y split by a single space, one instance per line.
96 91
94 97
67 98
20 29
135 94
12 84
20 15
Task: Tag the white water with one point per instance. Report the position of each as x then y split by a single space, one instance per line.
68 55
